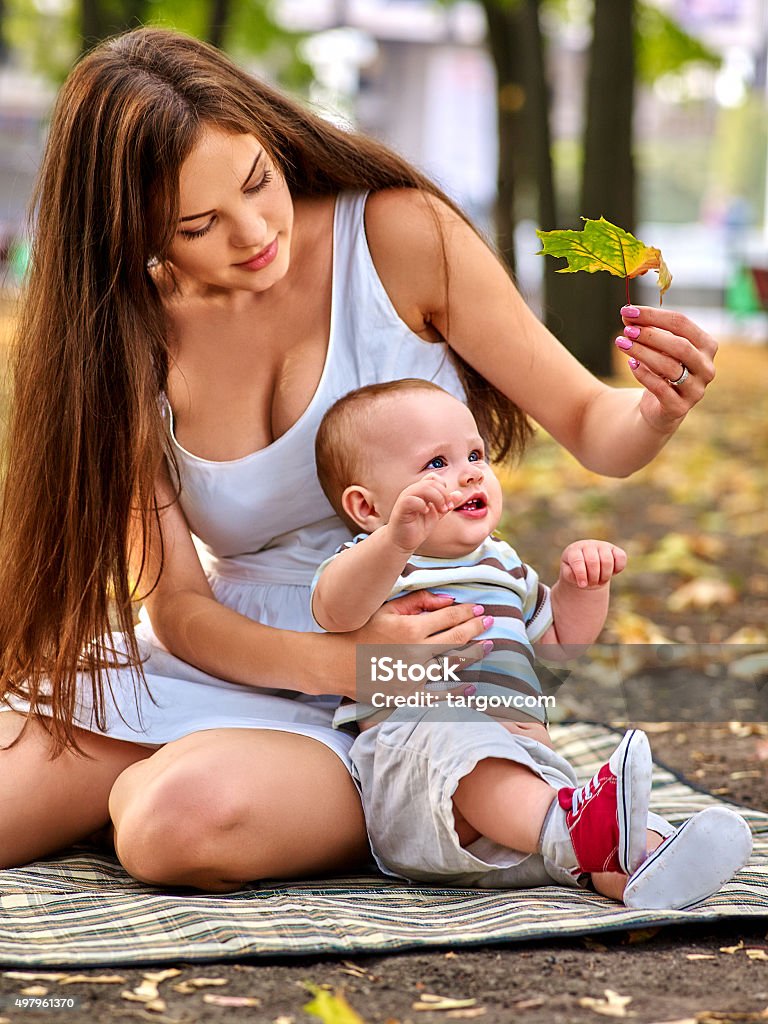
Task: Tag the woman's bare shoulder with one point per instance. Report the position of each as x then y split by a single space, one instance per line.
405 228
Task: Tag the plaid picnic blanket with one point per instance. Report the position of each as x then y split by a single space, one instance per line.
80 908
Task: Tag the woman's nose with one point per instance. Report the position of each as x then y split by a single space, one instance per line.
249 233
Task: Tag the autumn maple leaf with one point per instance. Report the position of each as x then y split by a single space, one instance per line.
604 246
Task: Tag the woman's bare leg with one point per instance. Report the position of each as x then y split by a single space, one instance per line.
46 805
225 806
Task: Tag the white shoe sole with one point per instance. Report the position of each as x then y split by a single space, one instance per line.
694 863
632 765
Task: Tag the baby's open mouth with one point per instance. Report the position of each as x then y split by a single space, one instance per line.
471 505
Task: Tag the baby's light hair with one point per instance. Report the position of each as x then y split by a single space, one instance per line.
339 450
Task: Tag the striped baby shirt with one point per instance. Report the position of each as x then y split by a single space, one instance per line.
494 576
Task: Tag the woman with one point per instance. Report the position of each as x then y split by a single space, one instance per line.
209 274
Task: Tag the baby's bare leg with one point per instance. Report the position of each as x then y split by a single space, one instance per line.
465 793
505 802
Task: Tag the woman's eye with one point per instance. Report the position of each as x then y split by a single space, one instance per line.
437 463
197 234
249 191
262 184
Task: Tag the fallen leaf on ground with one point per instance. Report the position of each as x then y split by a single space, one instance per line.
701 594
215 1000
98 979
529 1004
641 935
732 949
35 990
430 1001
613 1005
156 1005
700 956
730 1017
747 635
26 976
594 945
742 729
477 1011
331 1007
356 971
193 984
147 992
159 976
756 954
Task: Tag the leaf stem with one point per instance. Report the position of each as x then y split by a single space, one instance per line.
626 282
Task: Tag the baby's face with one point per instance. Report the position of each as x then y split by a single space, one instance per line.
415 433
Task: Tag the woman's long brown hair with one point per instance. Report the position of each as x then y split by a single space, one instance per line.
85 435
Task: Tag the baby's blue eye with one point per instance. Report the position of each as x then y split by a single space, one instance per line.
437 463
475 456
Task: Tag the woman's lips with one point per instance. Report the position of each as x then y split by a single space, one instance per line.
261 259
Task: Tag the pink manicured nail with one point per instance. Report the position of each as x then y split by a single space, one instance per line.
487 646
470 691
623 343
630 311
632 332
478 609
634 363
488 621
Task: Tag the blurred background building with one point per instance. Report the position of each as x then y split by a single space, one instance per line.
421 76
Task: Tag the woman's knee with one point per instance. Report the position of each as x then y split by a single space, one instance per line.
213 810
171 824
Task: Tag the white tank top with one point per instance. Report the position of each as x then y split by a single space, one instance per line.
263 518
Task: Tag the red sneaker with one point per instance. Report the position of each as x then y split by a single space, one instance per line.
607 818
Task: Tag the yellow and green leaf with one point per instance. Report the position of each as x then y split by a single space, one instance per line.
331 1007
604 246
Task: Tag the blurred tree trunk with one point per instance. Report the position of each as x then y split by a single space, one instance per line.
538 138
93 23
608 183
3 42
217 24
516 44
102 18
503 22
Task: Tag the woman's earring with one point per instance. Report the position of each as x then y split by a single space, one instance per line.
153 262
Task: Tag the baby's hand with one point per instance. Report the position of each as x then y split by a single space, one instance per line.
418 510
589 564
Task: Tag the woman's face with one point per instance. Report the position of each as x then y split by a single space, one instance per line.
235 216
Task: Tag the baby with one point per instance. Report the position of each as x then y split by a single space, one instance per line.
451 794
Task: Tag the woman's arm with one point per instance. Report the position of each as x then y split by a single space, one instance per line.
613 431
193 625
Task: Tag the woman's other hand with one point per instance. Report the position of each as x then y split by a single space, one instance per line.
662 344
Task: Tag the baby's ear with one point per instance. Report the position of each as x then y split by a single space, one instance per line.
357 502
